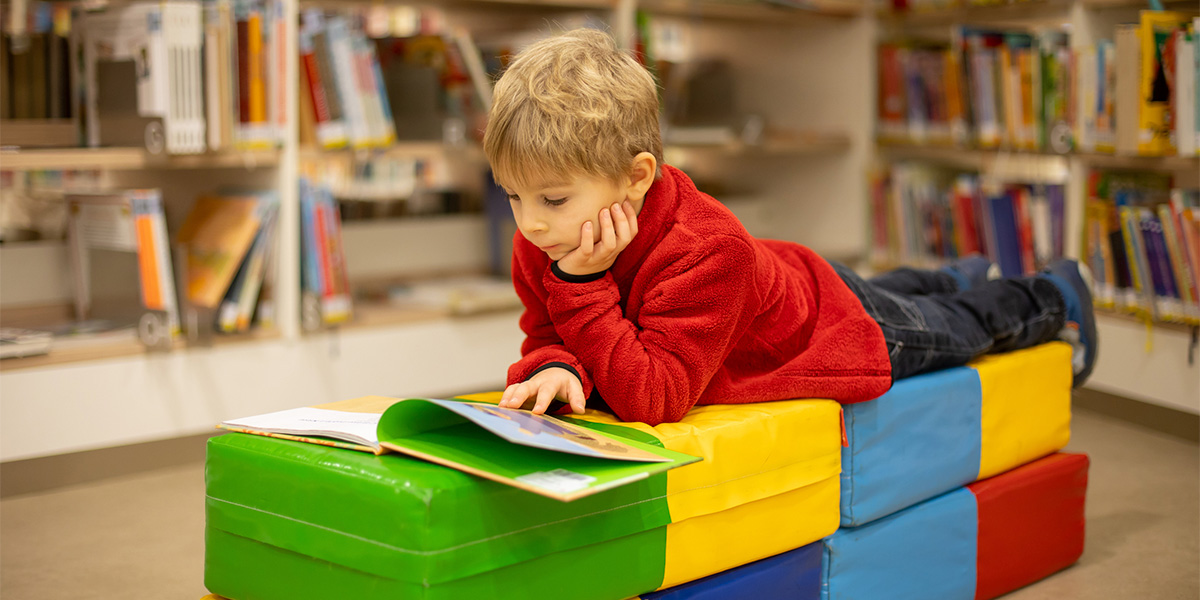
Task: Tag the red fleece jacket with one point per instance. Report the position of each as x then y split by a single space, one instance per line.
696 311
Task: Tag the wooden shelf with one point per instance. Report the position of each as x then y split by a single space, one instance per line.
403 149
794 145
1147 163
1127 317
765 11
129 159
996 14
977 158
1180 5
117 345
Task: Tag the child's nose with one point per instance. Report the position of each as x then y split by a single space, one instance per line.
530 220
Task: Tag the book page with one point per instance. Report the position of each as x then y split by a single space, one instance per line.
357 427
539 431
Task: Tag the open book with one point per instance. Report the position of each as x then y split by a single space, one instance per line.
538 453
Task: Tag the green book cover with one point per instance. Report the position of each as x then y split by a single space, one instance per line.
537 453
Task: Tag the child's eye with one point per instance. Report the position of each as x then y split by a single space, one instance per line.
514 197
556 202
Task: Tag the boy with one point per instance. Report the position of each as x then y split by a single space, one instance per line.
643 294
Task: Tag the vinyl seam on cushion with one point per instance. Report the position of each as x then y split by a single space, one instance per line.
756 474
850 452
427 552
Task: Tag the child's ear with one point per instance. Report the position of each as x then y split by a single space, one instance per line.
641 176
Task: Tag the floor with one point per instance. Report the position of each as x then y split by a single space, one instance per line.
140 536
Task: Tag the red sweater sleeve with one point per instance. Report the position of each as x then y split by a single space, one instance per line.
542 343
656 370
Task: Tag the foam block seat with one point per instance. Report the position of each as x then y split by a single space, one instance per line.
936 432
296 521
795 575
977 542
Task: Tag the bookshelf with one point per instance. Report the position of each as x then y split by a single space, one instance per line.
115 392
130 159
1149 361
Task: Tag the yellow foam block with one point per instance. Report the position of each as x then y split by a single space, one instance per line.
1026 410
768 482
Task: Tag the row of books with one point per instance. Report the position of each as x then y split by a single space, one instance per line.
360 91
176 76
126 266
923 215
324 277
229 240
36 66
1142 242
1033 92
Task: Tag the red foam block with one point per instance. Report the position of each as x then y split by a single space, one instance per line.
1030 522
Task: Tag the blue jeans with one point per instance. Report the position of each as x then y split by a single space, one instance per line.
930 324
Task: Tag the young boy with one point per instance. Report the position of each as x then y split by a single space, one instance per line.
643 294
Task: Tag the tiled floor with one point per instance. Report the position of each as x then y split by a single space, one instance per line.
141 536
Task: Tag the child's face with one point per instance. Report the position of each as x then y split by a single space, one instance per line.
551 216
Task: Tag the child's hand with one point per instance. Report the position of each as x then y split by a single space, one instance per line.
618 225
544 387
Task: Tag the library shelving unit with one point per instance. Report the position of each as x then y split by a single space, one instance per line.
791 65
1155 362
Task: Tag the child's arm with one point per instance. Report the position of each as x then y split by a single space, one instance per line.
542 347
656 369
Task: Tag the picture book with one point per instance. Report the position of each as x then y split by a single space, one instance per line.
1157 77
216 234
542 454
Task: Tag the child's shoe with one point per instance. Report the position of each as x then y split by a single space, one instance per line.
972 270
1074 281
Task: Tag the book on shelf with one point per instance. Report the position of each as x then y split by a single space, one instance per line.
217 235
121 261
1184 107
142 76
1157 40
320 103
1015 90
238 305
553 457
925 216
323 273
1141 241
36 67
18 342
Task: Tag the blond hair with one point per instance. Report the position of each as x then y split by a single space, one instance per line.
573 104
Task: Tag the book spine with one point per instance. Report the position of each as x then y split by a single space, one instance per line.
1176 258
156 266
346 81
1154 128
243 70
1022 205
1127 104
1185 93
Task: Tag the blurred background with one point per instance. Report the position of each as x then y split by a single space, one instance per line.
216 209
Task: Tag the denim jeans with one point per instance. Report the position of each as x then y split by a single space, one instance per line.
929 323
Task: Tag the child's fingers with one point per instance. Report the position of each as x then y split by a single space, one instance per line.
621 224
575 397
586 243
631 216
544 396
608 236
514 396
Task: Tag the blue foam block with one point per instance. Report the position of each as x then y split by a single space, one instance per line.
925 551
918 440
795 574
